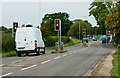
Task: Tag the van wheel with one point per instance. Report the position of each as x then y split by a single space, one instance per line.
43 51
19 54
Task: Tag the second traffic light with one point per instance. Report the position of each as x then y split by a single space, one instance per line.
57 24
15 26
83 31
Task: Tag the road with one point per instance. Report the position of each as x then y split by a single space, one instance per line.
78 61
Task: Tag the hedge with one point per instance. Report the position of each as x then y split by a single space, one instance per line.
7 42
50 40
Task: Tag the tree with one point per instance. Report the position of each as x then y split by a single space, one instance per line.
23 25
99 10
3 28
113 23
47 25
74 29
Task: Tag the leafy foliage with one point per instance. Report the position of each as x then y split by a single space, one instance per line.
74 29
99 10
50 40
7 42
113 23
47 25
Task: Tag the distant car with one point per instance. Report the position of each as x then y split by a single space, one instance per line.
105 40
94 39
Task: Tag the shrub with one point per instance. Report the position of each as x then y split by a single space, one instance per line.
7 42
50 40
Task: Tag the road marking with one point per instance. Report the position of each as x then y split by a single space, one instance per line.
28 67
6 74
65 55
2 65
17 61
31 57
45 61
71 53
57 57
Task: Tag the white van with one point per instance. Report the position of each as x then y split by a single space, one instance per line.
29 40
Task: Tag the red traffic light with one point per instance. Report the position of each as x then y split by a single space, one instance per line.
57 21
108 31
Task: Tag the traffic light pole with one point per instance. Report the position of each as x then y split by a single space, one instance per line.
60 36
106 36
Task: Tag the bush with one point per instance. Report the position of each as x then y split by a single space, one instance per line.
7 42
50 40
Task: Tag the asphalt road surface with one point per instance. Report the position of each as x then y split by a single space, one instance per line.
78 61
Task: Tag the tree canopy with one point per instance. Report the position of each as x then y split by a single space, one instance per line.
113 22
47 25
74 29
99 10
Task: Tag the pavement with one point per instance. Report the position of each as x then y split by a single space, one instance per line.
105 66
78 61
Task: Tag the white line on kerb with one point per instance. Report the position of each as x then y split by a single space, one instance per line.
45 61
31 57
2 65
6 74
57 57
28 67
17 61
71 53
65 55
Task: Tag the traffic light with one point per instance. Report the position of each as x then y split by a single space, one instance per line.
15 26
57 24
83 31
108 33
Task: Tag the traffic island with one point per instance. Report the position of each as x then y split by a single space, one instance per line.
59 49
62 51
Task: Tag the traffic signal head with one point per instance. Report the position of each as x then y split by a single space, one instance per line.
108 33
57 24
83 31
15 26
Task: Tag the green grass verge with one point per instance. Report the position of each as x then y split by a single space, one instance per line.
116 64
73 41
12 53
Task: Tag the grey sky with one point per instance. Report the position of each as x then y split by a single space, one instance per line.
33 12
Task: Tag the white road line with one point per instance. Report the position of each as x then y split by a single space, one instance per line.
6 74
45 61
71 53
16 61
65 55
2 65
57 57
28 67
31 57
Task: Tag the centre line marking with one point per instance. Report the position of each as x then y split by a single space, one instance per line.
6 74
17 61
71 53
45 61
28 67
57 57
2 65
31 57
65 55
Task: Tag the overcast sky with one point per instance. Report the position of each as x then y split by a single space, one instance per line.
32 12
